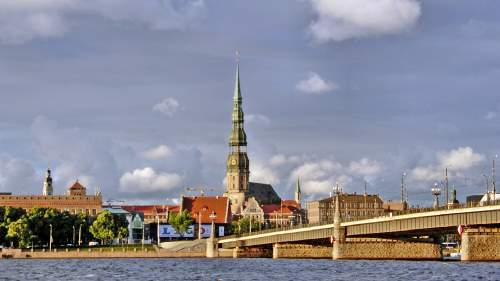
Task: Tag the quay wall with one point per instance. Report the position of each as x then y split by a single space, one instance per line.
301 251
389 249
481 244
85 253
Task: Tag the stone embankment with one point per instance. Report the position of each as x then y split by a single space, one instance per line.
98 253
481 244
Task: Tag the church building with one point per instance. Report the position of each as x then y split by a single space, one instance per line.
239 189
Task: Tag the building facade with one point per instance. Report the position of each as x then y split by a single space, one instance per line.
75 201
352 206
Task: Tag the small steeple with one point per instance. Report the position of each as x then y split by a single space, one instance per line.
298 192
47 184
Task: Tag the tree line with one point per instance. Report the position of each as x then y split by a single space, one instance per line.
21 228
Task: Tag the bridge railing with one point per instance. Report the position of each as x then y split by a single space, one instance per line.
358 218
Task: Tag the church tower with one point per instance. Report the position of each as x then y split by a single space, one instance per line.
47 184
238 170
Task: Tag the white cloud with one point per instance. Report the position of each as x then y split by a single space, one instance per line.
461 158
314 84
24 20
490 115
159 152
253 118
365 167
18 176
147 180
168 106
315 170
456 160
340 20
263 174
281 159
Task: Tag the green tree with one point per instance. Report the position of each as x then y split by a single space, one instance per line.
104 227
243 225
8 215
122 233
20 233
180 221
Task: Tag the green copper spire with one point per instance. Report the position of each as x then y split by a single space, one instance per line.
297 188
238 136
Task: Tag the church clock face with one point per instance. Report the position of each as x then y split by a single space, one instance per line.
233 162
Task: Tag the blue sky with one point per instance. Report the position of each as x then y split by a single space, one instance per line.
134 97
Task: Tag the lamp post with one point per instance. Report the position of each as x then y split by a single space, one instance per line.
50 238
436 191
80 235
74 235
403 175
487 188
212 217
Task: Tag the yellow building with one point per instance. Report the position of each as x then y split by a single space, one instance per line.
75 201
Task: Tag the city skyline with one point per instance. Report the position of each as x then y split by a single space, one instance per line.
137 100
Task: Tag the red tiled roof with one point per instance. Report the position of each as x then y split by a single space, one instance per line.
290 203
205 205
277 209
151 209
77 186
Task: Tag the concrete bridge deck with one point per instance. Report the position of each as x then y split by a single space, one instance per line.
409 225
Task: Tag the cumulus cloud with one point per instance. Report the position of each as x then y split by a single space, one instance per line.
24 20
262 173
365 167
255 118
168 106
314 84
456 160
147 180
490 115
281 159
18 176
159 152
340 20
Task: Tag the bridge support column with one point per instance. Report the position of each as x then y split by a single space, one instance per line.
481 244
276 250
211 248
236 252
338 232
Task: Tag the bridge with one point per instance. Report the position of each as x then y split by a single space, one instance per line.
416 232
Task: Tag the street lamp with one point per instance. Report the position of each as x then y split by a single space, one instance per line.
403 175
50 238
436 191
487 188
212 217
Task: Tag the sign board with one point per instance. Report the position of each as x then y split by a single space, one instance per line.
205 230
221 231
137 222
167 231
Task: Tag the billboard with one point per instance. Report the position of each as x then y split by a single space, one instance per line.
167 231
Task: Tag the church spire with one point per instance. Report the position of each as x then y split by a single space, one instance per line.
298 192
238 136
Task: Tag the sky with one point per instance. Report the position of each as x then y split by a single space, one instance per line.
134 98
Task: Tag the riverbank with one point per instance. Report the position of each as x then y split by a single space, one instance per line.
97 254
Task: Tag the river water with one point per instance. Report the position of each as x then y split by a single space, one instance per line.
243 269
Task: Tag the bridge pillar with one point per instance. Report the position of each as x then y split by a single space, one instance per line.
276 251
211 248
481 244
236 251
338 232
